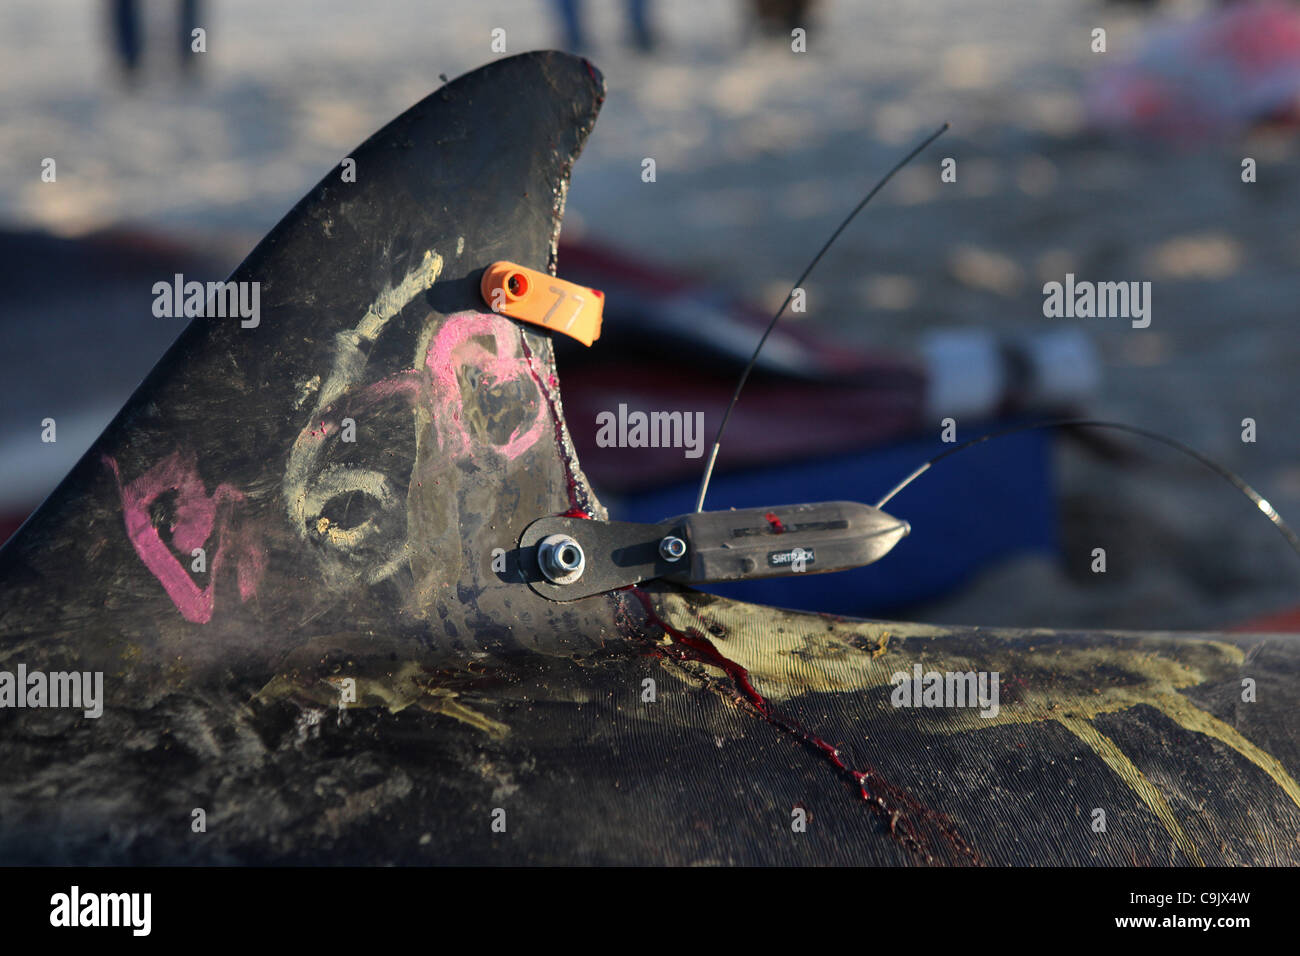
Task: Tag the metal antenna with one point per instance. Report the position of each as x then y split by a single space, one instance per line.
744 376
1258 500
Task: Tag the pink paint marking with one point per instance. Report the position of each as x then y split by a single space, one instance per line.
404 382
197 514
252 565
452 348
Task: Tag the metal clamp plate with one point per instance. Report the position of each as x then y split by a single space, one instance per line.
618 553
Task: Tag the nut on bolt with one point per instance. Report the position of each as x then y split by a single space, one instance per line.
561 559
672 548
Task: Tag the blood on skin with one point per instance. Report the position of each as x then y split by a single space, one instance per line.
895 805
889 801
571 482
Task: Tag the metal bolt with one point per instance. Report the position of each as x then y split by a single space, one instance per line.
561 559
672 548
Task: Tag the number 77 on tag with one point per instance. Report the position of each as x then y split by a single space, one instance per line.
531 296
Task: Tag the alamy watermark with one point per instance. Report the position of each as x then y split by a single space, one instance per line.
75 908
181 299
79 690
638 429
1102 300
948 689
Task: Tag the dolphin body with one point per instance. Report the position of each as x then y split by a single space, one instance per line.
293 558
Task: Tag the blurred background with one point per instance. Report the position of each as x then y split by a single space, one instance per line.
1123 165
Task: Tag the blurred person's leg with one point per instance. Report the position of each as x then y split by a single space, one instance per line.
642 37
571 21
189 21
779 17
127 38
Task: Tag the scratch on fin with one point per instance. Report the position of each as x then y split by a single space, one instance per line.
445 703
1127 771
1184 713
394 692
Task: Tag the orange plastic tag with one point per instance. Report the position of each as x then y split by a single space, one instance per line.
532 296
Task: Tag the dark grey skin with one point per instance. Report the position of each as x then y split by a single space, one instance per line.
360 674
